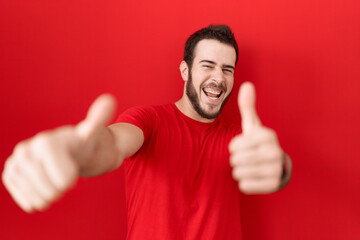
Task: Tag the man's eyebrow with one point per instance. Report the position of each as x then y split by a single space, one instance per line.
212 62
229 66
207 61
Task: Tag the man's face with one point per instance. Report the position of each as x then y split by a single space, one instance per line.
211 77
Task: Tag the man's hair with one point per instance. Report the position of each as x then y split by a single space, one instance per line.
222 33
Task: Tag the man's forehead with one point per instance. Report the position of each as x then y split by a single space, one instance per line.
216 51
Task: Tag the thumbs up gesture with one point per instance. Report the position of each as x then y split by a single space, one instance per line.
256 156
43 167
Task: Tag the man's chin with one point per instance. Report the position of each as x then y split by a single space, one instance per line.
210 114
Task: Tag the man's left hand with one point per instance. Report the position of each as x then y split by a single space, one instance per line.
256 156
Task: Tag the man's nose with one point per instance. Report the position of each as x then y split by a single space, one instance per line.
218 75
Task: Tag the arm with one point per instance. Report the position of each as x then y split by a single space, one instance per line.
43 167
114 144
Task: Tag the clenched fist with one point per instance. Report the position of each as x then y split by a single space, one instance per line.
43 167
256 156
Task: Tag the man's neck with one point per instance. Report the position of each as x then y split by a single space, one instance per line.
185 106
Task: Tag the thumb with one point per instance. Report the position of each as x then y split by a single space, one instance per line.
246 102
99 114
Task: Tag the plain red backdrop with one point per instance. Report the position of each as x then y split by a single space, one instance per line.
302 55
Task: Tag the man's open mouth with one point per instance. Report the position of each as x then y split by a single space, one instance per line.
212 93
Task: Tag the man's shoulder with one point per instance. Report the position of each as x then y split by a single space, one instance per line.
148 110
151 108
147 117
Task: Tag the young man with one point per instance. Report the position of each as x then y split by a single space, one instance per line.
184 167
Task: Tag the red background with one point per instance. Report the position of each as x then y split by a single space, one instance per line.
302 55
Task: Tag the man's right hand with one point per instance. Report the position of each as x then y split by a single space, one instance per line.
43 167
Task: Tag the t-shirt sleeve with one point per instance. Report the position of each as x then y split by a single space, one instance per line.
142 117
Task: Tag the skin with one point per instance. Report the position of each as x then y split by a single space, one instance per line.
256 156
213 64
42 168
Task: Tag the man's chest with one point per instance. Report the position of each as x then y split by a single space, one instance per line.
189 155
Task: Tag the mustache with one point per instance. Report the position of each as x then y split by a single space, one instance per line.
214 85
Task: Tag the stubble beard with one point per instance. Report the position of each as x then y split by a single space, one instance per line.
194 99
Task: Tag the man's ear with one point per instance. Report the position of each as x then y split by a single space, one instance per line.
184 70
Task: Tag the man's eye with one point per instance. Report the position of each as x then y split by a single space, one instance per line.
227 70
207 66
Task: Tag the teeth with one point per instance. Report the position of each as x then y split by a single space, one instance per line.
213 91
213 97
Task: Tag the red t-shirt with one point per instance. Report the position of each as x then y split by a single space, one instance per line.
179 184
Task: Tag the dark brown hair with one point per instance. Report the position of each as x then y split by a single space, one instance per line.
222 33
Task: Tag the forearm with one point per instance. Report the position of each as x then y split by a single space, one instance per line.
113 144
104 158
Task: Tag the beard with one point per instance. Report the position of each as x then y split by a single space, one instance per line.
194 99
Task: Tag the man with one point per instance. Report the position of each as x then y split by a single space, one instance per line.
184 167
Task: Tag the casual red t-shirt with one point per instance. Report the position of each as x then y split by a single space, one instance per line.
179 184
